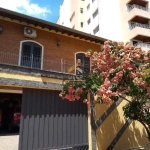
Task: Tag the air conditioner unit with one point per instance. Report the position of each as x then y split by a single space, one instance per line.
29 32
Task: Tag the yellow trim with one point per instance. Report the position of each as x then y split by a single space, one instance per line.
30 87
29 78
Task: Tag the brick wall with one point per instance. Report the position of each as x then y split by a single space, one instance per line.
13 33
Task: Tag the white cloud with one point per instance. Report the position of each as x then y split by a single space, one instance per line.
26 7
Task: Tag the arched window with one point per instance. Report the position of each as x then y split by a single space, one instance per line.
31 55
82 64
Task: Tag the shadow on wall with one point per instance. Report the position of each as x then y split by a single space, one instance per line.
133 136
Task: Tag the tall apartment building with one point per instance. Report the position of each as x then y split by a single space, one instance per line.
120 20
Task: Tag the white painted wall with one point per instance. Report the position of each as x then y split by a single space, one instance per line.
65 12
110 19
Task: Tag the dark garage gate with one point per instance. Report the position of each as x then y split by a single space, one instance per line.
48 122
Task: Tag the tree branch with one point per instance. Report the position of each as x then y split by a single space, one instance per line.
124 98
146 128
93 118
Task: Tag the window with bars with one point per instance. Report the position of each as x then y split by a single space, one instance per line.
31 55
82 64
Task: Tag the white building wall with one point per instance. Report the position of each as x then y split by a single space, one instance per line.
65 12
110 19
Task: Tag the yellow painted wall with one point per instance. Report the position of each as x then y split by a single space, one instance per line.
29 77
133 136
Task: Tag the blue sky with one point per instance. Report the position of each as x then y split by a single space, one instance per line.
43 9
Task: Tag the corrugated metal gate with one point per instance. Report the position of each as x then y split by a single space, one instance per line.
48 122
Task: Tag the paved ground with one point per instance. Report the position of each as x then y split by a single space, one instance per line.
9 141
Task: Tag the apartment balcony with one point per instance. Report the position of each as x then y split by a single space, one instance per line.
139 31
130 7
136 24
138 12
144 46
137 2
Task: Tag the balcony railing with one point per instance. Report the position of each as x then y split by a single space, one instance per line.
145 45
135 24
36 62
130 7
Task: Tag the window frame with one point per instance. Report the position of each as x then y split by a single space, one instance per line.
89 21
88 7
77 53
95 13
81 24
81 10
72 16
96 29
20 52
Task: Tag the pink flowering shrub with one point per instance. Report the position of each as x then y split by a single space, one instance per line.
117 71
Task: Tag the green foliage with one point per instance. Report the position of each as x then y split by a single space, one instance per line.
93 82
132 110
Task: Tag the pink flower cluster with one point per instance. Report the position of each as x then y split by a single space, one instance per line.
119 61
118 65
105 92
72 94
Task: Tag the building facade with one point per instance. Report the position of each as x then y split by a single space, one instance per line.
120 20
36 57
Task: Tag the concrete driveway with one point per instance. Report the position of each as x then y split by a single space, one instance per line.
9 141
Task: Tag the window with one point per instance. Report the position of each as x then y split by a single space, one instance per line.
135 43
73 27
81 10
81 24
95 13
89 21
31 55
96 29
72 16
82 64
88 6
93 1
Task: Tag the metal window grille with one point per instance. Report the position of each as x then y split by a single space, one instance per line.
130 7
136 24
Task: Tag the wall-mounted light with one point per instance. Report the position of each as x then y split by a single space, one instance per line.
58 43
1 29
